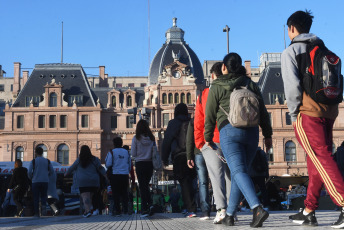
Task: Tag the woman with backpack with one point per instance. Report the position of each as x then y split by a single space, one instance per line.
87 168
18 185
142 149
239 144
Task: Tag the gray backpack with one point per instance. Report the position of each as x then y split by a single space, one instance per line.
243 108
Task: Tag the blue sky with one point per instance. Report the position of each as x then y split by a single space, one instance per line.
115 33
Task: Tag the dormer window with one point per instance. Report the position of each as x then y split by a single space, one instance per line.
129 101
53 100
78 99
113 101
176 74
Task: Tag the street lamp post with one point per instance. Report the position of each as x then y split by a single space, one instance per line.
227 29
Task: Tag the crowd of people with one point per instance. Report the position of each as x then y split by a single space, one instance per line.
219 145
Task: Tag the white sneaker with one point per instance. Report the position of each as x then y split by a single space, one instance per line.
220 215
95 212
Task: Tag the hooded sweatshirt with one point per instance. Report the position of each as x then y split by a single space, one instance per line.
142 149
297 100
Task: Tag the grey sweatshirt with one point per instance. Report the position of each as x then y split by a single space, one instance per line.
120 161
142 149
41 171
290 73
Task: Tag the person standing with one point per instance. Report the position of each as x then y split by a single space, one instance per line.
19 184
218 170
87 168
312 121
142 149
239 145
39 171
120 161
174 144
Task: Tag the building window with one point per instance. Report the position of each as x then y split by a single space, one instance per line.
96 86
129 101
11 87
170 98
129 124
63 121
270 117
271 154
84 121
118 85
166 119
290 151
287 118
182 98
78 99
41 121
152 99
188 98
143 84
52 121
131 85
20 153
164 98
176 98
63 154
113 122
35 101
53 100
280 97
20 121
113 101
2 88
45 150
334 149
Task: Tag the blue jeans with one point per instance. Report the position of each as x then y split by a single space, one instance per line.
239 146
39 190
202 173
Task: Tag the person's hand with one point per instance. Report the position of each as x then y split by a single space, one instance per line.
268 143
191 164
210 145
8 190
294 124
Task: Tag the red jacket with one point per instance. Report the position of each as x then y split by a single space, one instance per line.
199 121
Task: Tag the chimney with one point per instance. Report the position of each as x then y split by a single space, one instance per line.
25 77
102 72
16 83
248 68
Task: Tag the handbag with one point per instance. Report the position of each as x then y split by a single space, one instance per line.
156 159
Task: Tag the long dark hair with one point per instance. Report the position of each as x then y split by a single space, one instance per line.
142 129
233 62
85 156
18 163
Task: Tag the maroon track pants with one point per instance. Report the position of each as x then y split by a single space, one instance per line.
315 136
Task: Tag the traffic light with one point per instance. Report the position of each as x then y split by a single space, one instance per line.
132 117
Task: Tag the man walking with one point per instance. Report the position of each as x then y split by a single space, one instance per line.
312 120
39 171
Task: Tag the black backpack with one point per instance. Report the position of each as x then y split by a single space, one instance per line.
260 163
321 74
180 138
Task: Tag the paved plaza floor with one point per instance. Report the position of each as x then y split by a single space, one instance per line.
276 220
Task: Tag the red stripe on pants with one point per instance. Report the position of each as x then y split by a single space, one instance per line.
315 136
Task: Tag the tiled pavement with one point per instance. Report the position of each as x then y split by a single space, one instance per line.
276 220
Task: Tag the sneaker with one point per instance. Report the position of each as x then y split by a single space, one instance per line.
184 211
95 212
308 220
220 215
88 214
151 211
340 222
144 214
228 220
259 216
190 215
205 216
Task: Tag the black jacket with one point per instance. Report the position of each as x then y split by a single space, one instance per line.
20 178
191 149
169 145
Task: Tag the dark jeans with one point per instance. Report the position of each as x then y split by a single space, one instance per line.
185 176
39 190
260 182
18 199
202 173
119 186
144 172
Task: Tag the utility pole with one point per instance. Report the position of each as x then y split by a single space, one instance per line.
227 29
62 45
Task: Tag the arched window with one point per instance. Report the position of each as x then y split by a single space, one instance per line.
271 154
113 101
176 98
45 150
53 100
182 97
164 98
129 101
63 154
170 98
20 153
151 100
290 151
188 98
